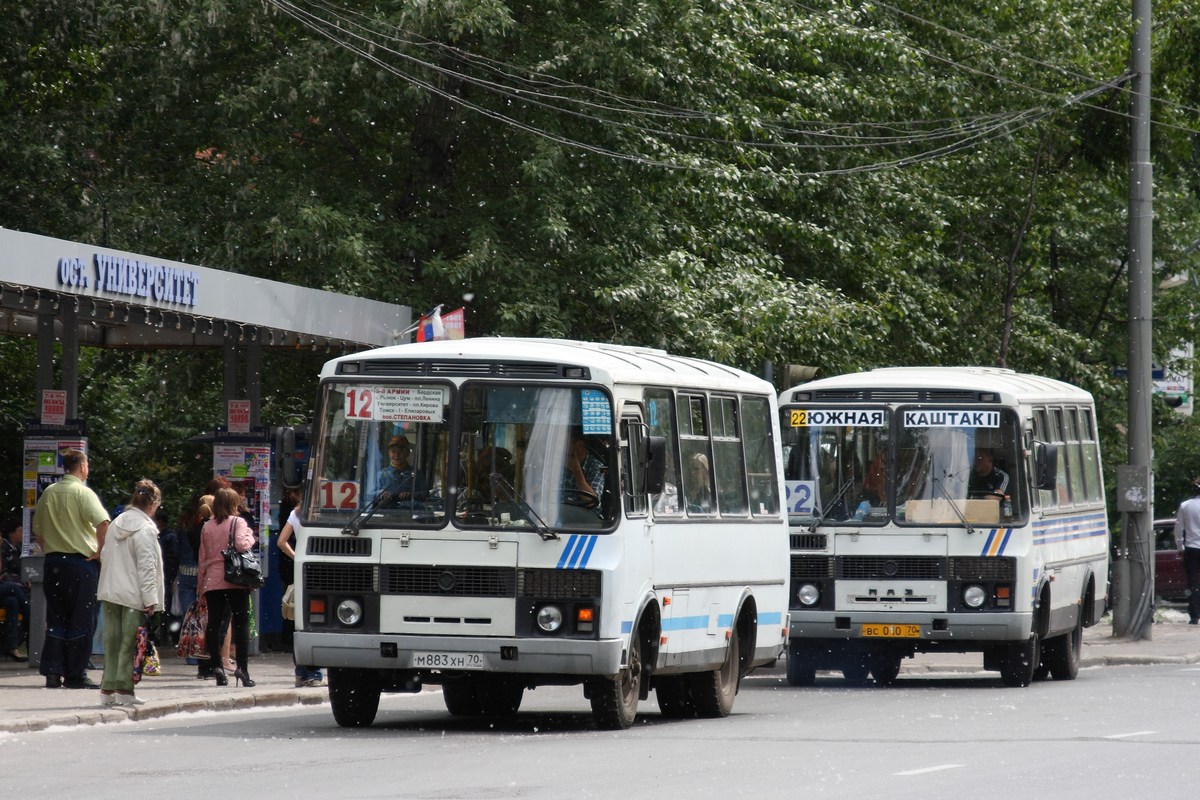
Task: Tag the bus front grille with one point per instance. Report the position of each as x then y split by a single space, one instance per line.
891 568
347 578
453 581
559 584
809 541
977 568
339 546
811 567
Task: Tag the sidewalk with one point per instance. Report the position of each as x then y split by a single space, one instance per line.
26 705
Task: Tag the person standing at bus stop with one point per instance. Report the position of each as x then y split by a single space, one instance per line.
70 523
1187 533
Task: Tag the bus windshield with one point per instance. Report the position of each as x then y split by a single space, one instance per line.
914 466
538 456
835 465
527 456
381 449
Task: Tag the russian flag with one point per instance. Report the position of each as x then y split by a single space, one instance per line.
430 327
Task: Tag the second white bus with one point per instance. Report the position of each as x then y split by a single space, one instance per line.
942 509
493 515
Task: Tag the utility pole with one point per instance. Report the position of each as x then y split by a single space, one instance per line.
1135 483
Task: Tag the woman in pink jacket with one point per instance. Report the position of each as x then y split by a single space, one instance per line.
225 599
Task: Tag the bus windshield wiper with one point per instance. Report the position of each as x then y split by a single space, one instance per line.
954 505
539 524
828 509
355 525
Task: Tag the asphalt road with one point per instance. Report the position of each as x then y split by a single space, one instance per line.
1114 732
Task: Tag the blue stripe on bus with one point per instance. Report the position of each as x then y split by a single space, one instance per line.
576 545
699 622
587 553
997 540
1068 529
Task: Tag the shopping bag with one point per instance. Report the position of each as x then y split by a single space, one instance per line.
141 644
191 631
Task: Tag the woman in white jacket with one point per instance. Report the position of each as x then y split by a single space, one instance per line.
131 586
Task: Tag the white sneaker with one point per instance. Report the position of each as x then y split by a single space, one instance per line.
130 699
109 699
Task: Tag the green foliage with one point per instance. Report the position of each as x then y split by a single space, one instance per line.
837 183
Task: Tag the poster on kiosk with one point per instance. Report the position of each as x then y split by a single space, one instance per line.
42 466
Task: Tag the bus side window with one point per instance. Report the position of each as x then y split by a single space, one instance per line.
661 422
694 449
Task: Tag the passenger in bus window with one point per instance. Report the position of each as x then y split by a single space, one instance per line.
986 480
399 482
697 484
585 473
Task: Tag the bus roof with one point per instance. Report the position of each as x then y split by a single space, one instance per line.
608 363
1012 387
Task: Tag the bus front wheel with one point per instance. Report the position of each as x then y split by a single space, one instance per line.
615 700
1020 662
354 696
801 668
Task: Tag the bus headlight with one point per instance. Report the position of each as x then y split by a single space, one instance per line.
809 594
973 596
349 612
549 618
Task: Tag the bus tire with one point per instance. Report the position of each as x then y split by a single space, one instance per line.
462 698
1062 652
801 668
615 700
1021 662
674 695
354 696
713 692
885 668
499 697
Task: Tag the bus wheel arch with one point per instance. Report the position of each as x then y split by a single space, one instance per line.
713 691
615 698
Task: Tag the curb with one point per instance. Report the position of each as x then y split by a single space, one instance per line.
153 710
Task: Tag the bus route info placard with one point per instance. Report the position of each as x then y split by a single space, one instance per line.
395 403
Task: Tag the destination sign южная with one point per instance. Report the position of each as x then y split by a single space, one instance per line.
951 418
814 417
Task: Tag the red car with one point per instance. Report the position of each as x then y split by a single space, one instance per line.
1170 581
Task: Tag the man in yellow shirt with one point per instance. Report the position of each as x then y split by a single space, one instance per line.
69 523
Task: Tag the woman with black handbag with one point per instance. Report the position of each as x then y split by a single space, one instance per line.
225 600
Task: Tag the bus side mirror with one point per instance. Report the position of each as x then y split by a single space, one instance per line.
1046 463
285 453
656 464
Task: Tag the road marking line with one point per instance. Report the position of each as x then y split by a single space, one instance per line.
927 769
1127 735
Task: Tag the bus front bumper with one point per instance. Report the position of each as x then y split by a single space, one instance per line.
565 657
949 629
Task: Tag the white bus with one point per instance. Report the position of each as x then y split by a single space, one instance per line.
494 515
942 509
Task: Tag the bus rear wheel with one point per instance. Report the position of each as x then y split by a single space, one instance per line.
713 692
462 698
674 695
885 668
615 700
500 697
354 696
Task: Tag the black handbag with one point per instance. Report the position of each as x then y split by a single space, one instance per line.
242 568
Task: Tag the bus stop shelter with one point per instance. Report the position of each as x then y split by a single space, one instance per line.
70 295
